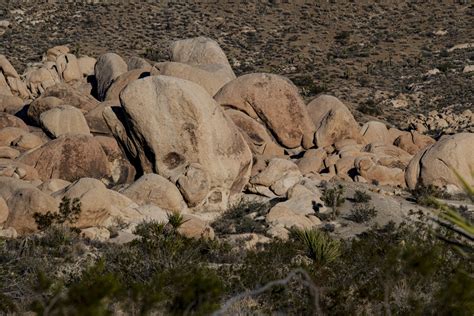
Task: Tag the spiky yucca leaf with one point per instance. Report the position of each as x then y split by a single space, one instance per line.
320 246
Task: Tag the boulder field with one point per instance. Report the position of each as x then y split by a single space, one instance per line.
135 140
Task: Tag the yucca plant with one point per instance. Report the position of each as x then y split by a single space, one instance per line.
176 220
452 220
319 245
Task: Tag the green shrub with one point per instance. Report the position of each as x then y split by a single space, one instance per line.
68 213
423 194
334 196
361 197
239 219
319 246
362 213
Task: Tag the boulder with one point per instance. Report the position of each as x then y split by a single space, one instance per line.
64 120
23 204
374 131
273 101
86 65
69 157
39 79
53 185
312 161
255 134
389 155
28 141
107 68
210 77
194 227
122 81
198 51
120 169
4 211
207 154
68 67
282 216
16 169
378 174
435 165
8 120
53 53
95 118
8 186
9 134
10 104
71 96
279 176
333 120
8 152
138 63
41 105
413 142
99 206
154 189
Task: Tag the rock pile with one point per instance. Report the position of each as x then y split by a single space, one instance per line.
141 140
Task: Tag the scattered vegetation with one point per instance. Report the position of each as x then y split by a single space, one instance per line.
424 195
370 108
308 86
241 218
333 197
68 214
361 197
362 213
398 270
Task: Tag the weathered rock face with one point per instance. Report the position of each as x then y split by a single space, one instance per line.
8 120
122 81
255 134
71 96
64 120
413 142
86 65
210 77
10 104
278 176
199 51
98 204
333 120
274 101
107 68
374 131
379 174
120 169
69 157
178 131
23 204
68 67
138 63
435 164
41 105
154 189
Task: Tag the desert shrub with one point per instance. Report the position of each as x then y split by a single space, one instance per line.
370 108
308 86
68 213
403 270
320 247
423 194
176 220
241 219
361 197
362 213
333 197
